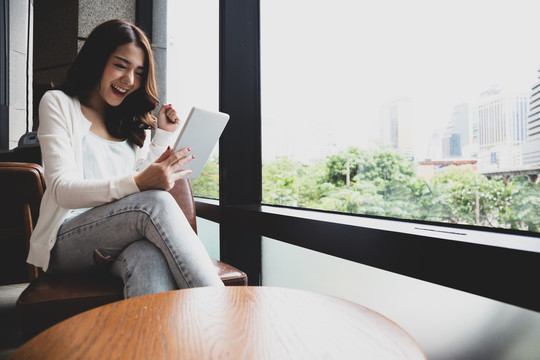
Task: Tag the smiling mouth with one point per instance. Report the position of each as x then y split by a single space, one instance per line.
118 90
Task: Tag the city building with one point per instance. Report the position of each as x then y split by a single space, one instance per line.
434 148
456 135
502 123
397 125
531 148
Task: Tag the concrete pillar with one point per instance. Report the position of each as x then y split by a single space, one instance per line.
159 45
93 12
20 69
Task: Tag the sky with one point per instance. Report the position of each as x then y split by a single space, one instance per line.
192 54
328 66
332 64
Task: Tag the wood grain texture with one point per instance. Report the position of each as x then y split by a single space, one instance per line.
225 323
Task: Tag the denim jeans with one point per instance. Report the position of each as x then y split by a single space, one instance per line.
154 247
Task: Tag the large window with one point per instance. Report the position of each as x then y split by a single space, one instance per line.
193 70
413 109
485 264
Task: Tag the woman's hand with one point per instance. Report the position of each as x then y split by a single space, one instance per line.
167 119
163 173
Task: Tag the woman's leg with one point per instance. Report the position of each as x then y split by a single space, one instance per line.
110 228
144 270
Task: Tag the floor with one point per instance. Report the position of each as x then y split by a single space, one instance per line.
8 321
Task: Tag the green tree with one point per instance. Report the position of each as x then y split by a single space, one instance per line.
391 172
207 185
381 182
463 196
279 181
524 213
342 167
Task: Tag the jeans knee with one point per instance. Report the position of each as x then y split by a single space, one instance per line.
141 251
161 200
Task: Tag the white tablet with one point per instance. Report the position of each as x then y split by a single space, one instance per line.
201 133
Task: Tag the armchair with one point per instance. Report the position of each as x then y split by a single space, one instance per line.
50 299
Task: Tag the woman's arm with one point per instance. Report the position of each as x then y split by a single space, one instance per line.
160 168
153 148
60 135
165 134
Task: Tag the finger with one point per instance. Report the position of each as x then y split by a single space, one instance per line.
166 154
180 174
171 115
178 155
163 109
182 162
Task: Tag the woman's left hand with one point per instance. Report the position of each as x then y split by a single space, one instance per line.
167 119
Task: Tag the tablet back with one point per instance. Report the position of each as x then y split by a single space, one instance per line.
201 133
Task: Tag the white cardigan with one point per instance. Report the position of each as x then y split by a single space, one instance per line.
62 127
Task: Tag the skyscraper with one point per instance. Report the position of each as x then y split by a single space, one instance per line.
502 122
457 133
531 148
397 125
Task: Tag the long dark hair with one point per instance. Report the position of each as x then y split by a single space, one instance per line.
133 115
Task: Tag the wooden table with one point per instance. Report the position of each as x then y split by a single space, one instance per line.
225 323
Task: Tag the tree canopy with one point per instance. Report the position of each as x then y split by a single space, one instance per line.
381 182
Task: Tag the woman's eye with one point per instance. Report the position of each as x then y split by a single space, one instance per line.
139 75
120 66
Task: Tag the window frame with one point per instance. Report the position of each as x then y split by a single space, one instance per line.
4 76
498 272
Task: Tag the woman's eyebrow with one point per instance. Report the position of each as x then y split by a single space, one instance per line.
127 61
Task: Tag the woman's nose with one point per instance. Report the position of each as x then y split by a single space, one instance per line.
128 78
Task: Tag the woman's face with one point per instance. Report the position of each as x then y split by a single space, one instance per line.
123 74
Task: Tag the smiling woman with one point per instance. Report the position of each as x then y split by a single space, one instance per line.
123 72
116 54
121 77
101 167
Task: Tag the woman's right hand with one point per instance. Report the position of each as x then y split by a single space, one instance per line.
163 173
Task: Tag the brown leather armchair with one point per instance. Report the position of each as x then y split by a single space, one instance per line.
50 299
21 189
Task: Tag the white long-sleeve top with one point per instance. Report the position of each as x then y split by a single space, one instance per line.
62 127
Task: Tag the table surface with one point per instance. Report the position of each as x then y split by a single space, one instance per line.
225 323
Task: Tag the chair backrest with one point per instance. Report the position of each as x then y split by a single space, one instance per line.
183 195
21 189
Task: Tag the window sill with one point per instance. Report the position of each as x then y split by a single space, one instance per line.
209 209
499 266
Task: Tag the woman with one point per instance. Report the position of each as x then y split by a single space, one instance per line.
106 180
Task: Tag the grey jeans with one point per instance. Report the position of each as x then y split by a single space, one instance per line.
154 247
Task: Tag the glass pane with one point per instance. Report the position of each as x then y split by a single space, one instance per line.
412 109
417 306
193 70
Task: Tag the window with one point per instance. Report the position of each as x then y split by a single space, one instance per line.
489 263
413 124
192 70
